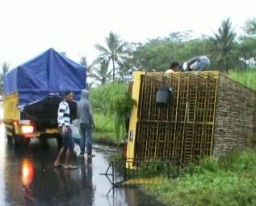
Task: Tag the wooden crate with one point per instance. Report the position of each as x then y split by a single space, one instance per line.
208 115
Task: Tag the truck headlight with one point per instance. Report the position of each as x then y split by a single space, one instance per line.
27 129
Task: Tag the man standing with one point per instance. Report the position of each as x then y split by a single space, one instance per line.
85 116
64 122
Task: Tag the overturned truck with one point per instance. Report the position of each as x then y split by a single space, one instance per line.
33 91
185 116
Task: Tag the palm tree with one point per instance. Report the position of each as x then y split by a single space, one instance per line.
250 27
101 72
83 61
113 53
223 41
5 69
127 67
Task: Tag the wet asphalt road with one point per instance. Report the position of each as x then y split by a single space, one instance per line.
27 177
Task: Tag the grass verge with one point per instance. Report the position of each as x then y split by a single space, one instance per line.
228 181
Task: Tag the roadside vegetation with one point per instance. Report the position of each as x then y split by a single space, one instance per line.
111 103
245 77
228 181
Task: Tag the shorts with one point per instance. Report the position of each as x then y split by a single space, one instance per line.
67 139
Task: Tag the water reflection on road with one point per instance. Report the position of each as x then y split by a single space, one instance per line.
27 177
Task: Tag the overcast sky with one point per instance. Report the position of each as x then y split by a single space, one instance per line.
29 27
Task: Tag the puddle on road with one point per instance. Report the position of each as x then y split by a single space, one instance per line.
27 177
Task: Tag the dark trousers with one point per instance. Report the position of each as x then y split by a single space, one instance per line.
86 138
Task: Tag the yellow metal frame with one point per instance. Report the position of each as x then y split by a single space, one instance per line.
136 95
133 118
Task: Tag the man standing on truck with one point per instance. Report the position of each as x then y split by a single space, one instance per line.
198 63
64 122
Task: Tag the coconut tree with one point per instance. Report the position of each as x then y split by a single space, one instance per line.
250 27
247 46
101 73
5 69
83 61
113 53
223 42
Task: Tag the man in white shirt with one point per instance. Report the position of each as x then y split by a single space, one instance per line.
64 122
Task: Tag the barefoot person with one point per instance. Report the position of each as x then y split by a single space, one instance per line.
85 116
64 122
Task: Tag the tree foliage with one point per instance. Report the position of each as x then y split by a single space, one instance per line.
225 51
113 54
5 69
250 27
100 72
113 100
157 54
223 42
153 55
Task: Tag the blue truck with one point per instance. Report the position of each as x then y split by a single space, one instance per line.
33 91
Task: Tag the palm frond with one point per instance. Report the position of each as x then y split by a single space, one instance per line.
102 49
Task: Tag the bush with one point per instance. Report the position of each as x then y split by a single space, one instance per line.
114 102
228 181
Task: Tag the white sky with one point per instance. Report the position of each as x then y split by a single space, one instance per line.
29 27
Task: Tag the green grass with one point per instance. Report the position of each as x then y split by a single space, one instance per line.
110 103
229 181
245 77
105 129
104 123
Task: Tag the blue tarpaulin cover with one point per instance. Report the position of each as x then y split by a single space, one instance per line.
50 73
